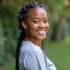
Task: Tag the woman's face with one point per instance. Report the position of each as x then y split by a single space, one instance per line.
36 24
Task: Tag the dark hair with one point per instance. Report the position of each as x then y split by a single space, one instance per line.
23 13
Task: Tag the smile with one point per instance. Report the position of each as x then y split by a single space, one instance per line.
41 32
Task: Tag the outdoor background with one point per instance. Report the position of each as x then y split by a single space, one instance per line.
56 45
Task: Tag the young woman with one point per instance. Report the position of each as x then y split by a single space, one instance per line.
33 22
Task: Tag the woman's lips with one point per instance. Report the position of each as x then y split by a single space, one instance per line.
41 32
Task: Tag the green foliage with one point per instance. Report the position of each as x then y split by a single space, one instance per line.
58 52
8 36
8 32
55 6
10 65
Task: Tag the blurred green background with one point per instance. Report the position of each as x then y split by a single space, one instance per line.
56 45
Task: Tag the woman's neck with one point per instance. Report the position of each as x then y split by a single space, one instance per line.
36 42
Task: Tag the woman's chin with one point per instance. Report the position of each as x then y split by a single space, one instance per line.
42 38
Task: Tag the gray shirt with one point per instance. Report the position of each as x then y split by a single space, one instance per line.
32 58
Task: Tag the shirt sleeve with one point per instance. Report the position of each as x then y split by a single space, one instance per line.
28 61
50 65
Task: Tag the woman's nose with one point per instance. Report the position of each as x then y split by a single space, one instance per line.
42 24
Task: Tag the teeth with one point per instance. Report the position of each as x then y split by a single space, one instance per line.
41 32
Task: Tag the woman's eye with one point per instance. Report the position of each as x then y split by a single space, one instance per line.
45 21
35 21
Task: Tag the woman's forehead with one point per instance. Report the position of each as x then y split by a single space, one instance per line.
35 12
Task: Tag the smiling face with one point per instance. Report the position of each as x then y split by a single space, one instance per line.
36 24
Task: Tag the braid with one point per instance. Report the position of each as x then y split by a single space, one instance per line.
18 48
23 13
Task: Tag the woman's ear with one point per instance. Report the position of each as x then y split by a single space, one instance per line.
24 25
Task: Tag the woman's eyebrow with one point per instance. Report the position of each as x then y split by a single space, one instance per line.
35 18
39 18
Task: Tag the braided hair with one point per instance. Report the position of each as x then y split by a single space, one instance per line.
23 13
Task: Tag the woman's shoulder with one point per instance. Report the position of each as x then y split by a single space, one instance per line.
26 48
